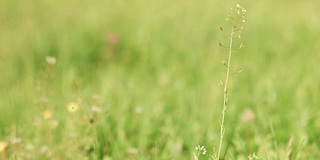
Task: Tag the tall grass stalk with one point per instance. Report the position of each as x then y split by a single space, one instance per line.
237 15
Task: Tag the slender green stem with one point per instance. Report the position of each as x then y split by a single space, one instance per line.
225 91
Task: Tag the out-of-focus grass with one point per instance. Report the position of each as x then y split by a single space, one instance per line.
157 88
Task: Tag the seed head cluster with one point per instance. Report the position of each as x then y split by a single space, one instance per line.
238 13
241 9
201 150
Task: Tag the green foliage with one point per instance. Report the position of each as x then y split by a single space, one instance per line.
152 68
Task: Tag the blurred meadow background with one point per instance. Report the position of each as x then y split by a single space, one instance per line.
138 79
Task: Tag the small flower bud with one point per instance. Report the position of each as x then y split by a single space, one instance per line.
224 62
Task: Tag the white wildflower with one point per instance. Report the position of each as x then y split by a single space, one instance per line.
95 109
50 60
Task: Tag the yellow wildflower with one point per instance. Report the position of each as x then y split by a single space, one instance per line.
72 107
3 146
47 114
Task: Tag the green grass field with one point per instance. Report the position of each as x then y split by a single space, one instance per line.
143 79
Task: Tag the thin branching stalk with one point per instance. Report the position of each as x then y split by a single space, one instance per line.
240 14
225 92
